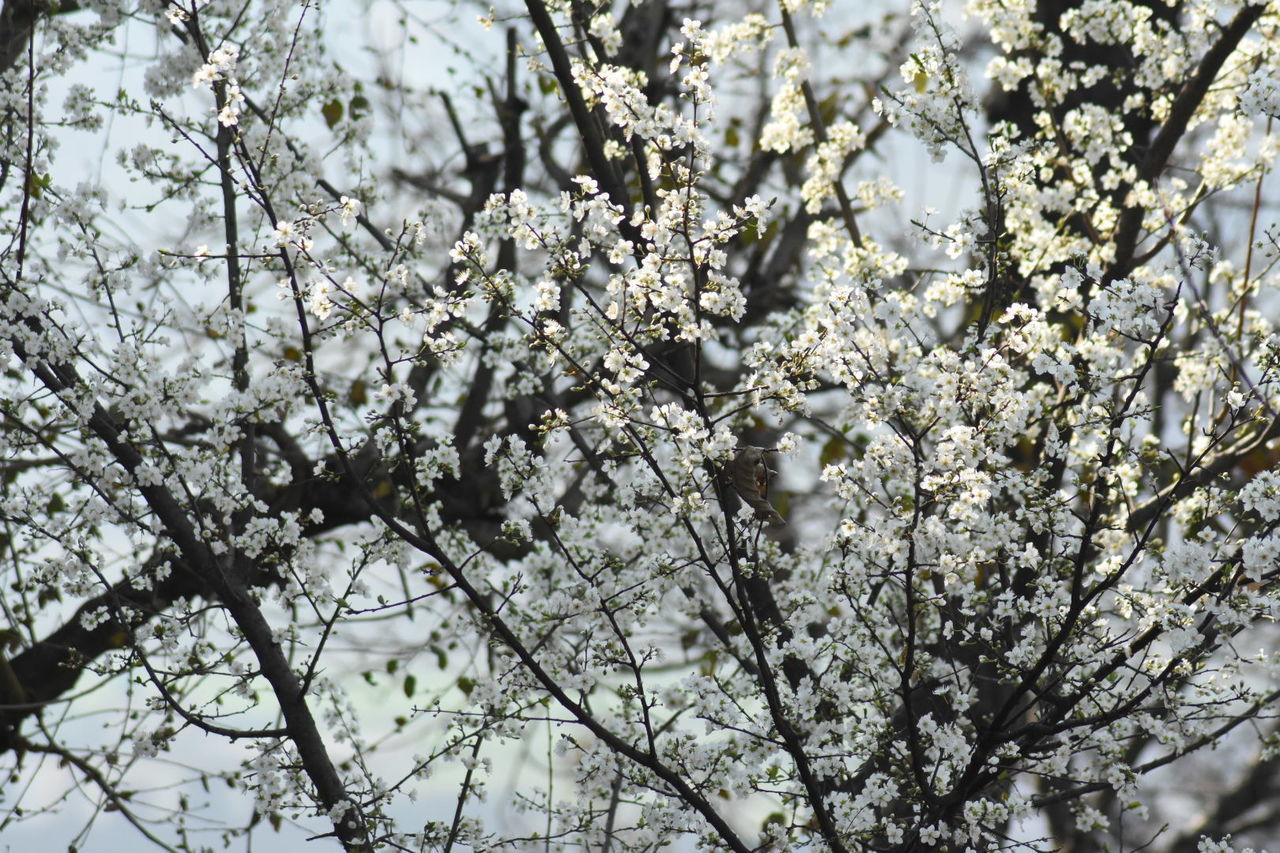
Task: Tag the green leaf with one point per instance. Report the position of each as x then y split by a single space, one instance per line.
332 112
828 108
410 685
833 451
37 184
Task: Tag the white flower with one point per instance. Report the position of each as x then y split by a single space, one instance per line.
321 305
350 210
283 232
1262 495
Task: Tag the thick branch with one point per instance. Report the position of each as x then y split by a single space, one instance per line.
18 22
227 584
592 140
1173 129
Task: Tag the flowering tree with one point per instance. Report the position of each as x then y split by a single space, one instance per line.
641 465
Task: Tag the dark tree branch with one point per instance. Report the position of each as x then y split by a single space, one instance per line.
18 20
1174 128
